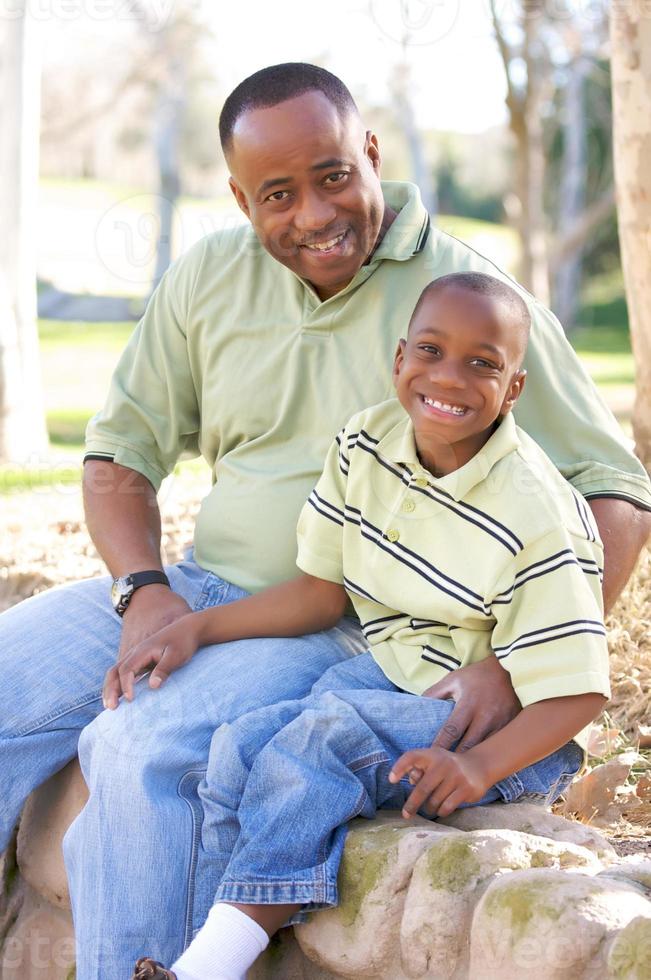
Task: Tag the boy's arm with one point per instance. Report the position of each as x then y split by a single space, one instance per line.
449 779
303 605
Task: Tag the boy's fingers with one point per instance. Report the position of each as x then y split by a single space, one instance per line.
450 804
421 792
414 759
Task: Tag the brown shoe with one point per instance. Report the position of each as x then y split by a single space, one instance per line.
147 969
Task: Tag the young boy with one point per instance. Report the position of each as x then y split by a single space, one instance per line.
455 537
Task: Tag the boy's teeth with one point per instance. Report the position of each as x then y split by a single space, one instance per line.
322 246
444 407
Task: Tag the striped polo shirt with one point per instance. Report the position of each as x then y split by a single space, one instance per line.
500 555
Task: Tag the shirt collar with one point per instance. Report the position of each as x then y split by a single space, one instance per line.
407 235
399 446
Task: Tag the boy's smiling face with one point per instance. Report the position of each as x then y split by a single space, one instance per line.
457 372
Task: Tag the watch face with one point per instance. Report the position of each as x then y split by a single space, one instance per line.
121 589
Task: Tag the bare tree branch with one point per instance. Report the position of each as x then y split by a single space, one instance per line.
588 222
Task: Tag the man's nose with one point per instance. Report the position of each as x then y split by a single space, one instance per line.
314 213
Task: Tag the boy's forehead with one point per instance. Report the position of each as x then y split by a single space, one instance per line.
468 315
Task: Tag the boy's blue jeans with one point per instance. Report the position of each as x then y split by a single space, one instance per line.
285 780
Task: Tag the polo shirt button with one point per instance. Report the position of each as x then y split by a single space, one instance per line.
422 482
408 505
392 534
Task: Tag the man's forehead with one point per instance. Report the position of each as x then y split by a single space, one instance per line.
309 123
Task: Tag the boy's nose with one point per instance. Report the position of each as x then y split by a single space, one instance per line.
448 375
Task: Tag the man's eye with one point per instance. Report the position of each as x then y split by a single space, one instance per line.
337 178
277 196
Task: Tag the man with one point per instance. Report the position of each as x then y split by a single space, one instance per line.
255 349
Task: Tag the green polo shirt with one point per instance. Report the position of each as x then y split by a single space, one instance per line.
237 359
502 556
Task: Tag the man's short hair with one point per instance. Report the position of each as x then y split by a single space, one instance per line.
277 83
480 282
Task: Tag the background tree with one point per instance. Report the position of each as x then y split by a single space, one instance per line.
631 69
550 61
22 420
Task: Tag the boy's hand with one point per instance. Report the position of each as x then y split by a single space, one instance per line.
165 651
444 780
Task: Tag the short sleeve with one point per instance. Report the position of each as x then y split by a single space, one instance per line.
549 631
151 414
563 411
321 523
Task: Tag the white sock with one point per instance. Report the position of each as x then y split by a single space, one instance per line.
224 948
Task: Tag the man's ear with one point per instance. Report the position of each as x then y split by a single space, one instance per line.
514 391
240 197
372 151
398 359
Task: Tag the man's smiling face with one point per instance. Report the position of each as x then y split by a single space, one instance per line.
309 181
457 372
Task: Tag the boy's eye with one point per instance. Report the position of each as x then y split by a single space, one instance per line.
429 348
482 362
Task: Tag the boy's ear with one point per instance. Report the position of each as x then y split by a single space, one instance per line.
398 359
240 197
514 392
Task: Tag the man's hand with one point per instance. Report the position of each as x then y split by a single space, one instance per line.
443 781
152 608
485 703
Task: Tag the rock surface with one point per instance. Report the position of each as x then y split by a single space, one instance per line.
502 891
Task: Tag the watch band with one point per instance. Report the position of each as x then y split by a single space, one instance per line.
125 586
154 577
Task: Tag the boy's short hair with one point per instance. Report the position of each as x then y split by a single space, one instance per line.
480 282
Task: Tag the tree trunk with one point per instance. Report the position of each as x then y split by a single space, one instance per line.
169 116
631 74
22 420
421 172
532 159
567 281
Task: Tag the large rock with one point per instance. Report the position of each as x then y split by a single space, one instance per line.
530 818
450 878
48 813
550 925
629 957
361 937
40 945
633 868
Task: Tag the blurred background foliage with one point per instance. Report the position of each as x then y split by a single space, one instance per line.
131 172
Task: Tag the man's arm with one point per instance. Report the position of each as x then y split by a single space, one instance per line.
124 523
624 530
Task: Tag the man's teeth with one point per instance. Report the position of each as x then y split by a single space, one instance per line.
444 407
324 246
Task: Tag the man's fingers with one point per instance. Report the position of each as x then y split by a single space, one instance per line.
441 691
478 730
455 727
162 670
111 690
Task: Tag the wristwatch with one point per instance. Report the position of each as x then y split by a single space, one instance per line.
124 587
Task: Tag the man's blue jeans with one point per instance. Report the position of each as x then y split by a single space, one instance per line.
284 781
139 861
